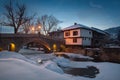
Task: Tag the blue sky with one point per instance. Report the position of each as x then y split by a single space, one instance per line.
101 14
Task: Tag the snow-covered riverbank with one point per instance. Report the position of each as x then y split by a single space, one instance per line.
15 66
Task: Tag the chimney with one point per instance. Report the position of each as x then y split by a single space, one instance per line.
75 23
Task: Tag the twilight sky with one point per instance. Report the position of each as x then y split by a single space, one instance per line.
101 14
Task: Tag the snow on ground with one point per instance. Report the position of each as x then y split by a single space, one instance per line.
73 55
43 57
6 54
108 71
29 51
105 68
13 66
52 66
17 67
32 55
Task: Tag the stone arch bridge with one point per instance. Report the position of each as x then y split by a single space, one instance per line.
22 39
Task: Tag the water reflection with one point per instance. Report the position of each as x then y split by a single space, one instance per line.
90 71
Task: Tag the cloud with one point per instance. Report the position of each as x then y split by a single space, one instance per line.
94 5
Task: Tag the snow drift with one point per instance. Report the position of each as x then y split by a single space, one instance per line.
14 66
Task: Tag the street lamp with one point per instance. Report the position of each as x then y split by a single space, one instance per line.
39 28
33 29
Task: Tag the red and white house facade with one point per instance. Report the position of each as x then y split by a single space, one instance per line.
78 34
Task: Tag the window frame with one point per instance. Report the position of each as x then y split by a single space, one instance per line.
74 40
90 32
75 33
67 33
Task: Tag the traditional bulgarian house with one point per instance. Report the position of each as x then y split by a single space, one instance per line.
81 35
78 34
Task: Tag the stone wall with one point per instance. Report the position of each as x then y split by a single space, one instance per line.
104 54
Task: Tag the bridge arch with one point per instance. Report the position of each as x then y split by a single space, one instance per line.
45 44
22 39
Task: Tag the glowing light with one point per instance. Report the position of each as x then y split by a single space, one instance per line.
49 49
0 49
54 47
33 28
12 47
39 27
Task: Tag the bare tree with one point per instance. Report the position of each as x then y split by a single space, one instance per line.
48 23
15 15
26 27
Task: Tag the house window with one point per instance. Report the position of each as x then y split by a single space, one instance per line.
89 38
84 38
75 33
67 33
74 40
89 32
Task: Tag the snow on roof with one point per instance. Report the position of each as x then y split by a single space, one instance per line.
98 30
77 26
